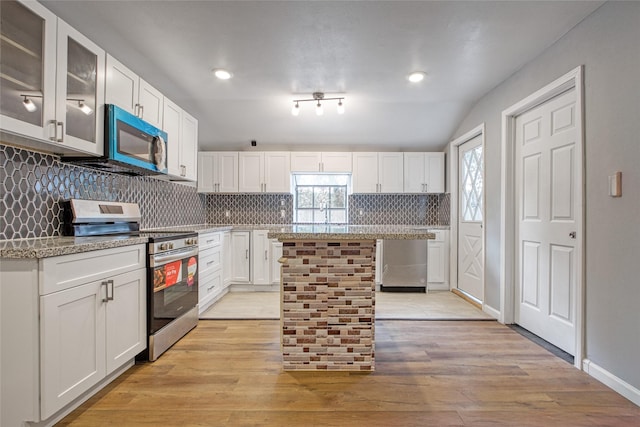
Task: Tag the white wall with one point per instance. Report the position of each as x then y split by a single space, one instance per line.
607 43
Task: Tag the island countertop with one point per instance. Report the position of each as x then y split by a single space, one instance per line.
350 232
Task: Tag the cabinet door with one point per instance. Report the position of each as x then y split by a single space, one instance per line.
435 262
80 87
207 168
276 254
121 86
150 104
434 172
260 254
390 172
240 270
27 67
189 147
305 162
227 172
126 320
365 172
250 172
72 340
277 172
226 258
337 162
172 125
379 264
414 173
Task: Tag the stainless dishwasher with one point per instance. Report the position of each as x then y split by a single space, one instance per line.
404 265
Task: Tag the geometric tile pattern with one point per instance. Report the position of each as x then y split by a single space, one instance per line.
328 305
405 209
33 185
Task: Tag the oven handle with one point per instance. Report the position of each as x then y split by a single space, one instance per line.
157 261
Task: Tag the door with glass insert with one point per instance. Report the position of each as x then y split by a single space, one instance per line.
27 68
80 89
470 218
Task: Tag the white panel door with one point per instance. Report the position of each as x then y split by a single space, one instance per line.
337 162
227 172
391 172
240 268
365 172
470 242
414 173
434 172
122 86
172 125
305 162
151 103
548 191
207 168
189 147
277 172
276 253
260 252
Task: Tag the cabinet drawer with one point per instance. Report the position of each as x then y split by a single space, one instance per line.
210 283
210 259
67 271
209 240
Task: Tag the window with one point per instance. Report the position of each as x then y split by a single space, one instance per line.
320 198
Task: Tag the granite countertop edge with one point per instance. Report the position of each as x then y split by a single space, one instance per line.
57 246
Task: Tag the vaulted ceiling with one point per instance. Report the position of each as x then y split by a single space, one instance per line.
363 50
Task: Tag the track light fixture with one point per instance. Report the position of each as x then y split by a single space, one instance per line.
28 103
318 98
82 106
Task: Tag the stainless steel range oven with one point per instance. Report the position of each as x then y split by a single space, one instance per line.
172 283
172 267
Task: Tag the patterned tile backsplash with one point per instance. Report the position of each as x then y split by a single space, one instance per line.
33 185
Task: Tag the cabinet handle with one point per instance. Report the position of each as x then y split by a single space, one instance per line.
266 255
136 110
321 166
55 130
217 187
246 255
61 139
141 109
183 170
106 284
426 188
210 287
209 263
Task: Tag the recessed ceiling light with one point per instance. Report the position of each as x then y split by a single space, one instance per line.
416 76
222 74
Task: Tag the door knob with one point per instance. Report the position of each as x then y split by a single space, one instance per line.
572 234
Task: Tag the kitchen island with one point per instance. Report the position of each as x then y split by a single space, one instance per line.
328 294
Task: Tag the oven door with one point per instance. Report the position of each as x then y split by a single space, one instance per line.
173 287
135 142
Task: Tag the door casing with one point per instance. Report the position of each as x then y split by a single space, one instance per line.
573 79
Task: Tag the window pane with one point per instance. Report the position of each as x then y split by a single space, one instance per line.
321 196
318 216
338 197
304 216
338 216
305 197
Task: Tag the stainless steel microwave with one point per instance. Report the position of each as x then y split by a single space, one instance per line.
132 146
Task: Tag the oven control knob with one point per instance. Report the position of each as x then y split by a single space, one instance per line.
170 245
163 246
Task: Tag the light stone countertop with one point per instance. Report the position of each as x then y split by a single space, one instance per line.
350 232
64 245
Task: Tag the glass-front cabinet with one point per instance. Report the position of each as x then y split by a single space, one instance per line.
51 80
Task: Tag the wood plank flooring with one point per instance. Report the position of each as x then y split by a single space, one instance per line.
428 373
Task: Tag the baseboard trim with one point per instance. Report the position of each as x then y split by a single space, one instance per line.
613 382
491 311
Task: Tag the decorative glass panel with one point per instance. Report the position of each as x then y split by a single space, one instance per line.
471 200
82 65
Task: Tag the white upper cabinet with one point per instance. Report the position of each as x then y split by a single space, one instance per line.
264 172
51 81
182 142
128 91
218 172
377 172
424 172
337 162
189 148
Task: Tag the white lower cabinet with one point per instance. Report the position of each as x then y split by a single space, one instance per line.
240 259
275 248
379 265
86 333
260 262
69 323
210 271
438 261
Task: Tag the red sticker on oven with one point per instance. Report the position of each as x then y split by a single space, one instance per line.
173 273
192 267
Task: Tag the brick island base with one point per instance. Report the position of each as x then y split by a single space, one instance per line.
328 305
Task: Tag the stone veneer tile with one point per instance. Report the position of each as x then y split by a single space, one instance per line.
328 305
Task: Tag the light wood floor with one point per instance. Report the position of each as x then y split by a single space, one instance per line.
428 373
